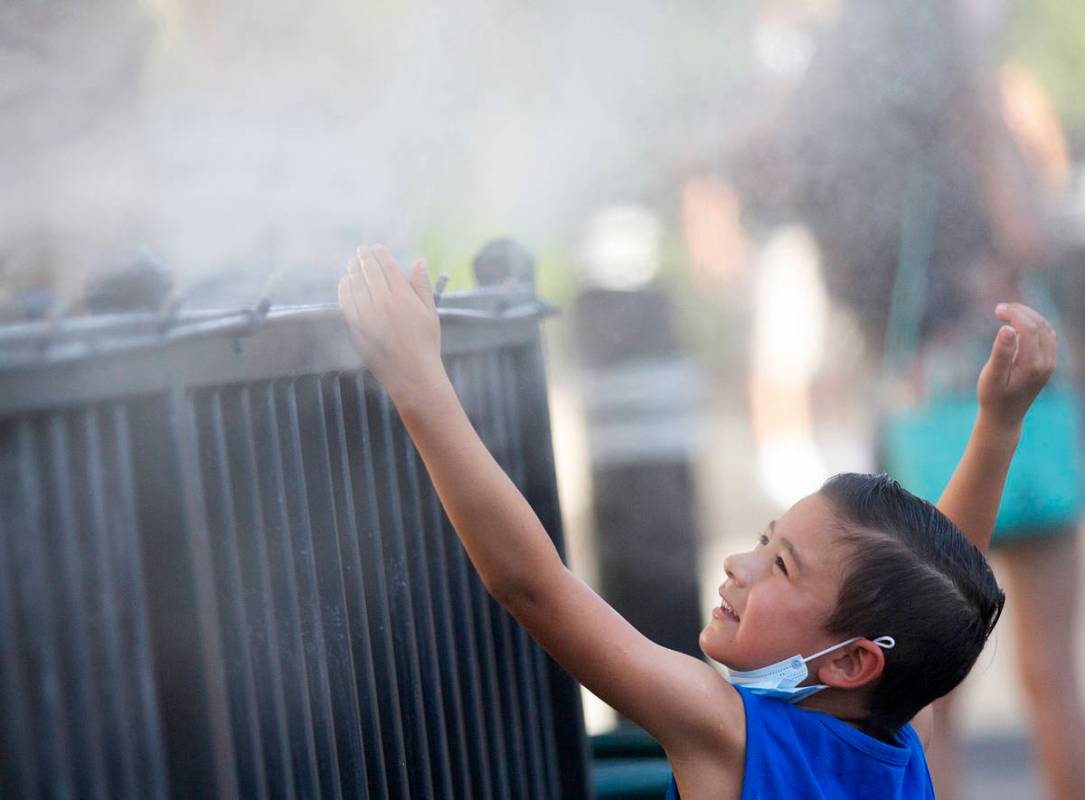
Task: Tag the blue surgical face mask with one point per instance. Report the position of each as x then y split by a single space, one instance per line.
781 680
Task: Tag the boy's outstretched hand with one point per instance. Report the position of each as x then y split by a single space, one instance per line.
1022 359
392 319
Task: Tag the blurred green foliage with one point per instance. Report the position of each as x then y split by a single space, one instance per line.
452 253
1049 37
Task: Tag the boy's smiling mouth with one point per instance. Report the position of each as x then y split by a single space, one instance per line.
724 610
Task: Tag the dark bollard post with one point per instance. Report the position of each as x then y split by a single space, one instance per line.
639 395
504 262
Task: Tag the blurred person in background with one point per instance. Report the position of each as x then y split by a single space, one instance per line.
928 176
773 264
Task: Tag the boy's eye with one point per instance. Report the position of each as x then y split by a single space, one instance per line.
780 563
762 540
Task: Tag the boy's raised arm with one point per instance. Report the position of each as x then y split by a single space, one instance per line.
396 329
1022 359
680 700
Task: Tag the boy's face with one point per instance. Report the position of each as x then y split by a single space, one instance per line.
778 596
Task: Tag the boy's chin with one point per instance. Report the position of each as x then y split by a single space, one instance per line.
709 645
702 642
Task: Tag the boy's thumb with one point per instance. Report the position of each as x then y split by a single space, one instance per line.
1002 353
420 282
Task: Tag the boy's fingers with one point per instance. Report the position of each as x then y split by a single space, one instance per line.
359 288
1048 341
421 284
1027 324
1020 316
348 303
371 271
389 268
1038 343
1041 344
1002 354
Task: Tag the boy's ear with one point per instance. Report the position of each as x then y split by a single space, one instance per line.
859 664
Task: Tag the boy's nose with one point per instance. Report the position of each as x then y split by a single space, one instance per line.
742 568
735 570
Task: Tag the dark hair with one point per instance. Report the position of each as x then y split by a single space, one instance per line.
912 575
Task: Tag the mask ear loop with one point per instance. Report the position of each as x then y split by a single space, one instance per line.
884 642
830 649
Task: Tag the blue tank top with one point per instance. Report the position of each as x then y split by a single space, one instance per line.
791 752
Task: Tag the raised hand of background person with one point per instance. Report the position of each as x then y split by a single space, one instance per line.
1022 359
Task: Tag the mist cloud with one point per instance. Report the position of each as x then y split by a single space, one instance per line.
268 138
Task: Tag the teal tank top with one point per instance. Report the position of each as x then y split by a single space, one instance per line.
795 753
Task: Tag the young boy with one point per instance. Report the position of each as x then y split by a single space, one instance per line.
777 600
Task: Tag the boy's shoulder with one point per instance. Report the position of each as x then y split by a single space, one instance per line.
709 758
714 717
827 757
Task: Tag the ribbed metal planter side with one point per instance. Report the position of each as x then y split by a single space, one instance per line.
224 572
